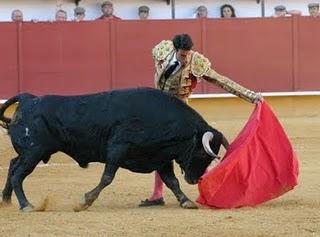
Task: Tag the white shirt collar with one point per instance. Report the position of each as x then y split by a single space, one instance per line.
174 59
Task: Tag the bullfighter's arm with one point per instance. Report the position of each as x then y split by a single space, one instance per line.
200 67
230 86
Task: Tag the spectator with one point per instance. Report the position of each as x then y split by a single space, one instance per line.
17 15
314 9
281 11
227 11
201 12
107 11
61 15
143 12
79 13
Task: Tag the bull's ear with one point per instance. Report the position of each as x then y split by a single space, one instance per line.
206 139
225 142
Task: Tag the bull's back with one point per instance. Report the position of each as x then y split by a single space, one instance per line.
151 117
147 105
142 115
151 105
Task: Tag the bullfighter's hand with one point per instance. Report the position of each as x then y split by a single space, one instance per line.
258 98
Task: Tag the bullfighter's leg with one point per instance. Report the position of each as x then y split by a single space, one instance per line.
106 179
158 187
24 167
7 191
169 178
157 196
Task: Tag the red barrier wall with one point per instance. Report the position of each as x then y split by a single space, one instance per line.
256 53
9 83
263 54
133 64
65 58
307 56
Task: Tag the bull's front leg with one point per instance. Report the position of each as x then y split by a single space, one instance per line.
90 197
168 177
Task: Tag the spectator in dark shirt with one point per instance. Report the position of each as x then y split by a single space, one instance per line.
227 11
201 12
313 9
107 11
17 15
79 13
61 15
143 12
281 11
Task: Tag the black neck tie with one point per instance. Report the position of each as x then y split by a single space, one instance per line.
170 69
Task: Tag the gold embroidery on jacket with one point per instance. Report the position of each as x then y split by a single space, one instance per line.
199 64
180 83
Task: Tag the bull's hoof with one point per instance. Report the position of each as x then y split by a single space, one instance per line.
3 202
28 208
38 208
43 205
82 206
189 205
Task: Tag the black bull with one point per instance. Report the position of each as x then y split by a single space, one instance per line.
137 129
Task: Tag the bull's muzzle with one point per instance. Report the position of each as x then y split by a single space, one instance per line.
190 181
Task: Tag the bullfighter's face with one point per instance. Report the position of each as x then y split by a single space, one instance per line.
183 56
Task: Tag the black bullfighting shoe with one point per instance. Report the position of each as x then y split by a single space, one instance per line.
155 202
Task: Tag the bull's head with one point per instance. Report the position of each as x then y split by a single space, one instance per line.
203 155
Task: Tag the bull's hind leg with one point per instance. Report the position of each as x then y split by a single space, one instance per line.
90 197
7 191
168 177
24 167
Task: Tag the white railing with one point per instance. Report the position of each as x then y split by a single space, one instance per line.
227 95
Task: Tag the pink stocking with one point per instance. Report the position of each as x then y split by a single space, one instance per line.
158 187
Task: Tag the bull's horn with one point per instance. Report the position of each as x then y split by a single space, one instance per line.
206 138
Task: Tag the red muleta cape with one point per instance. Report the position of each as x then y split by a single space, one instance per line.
259 165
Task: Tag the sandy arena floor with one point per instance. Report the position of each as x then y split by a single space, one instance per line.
116 212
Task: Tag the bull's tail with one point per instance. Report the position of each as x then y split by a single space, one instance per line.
5 120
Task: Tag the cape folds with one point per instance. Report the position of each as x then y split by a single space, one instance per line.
259 165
